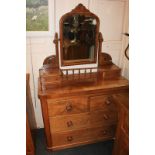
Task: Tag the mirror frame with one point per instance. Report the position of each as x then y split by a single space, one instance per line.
81 10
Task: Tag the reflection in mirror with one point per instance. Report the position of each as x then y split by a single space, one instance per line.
79 37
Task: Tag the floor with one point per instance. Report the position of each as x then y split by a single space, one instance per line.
102 148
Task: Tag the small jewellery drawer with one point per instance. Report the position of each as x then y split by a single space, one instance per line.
69 122
101 102
83 135
67 106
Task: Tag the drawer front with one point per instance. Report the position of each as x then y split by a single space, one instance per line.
69 122
102 102
83 135
83 120
67 106
99 118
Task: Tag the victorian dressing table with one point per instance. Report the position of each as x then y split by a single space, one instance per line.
80 105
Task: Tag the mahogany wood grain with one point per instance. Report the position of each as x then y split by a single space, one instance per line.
51 61
102 101
111 86
104 59
67 106
52 78
125 121
54 105
121 146
82 120
77 136
69 122
103 117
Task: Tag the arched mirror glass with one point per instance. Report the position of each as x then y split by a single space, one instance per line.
79 37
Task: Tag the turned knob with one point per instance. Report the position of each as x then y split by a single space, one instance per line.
106 117
69 138
104 132
69 123
69 107
108 102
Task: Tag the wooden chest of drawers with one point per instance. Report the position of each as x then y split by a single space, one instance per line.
73 118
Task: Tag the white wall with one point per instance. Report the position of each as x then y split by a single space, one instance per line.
113 16
123 61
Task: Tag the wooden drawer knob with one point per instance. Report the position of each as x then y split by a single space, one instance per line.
69 138
106 117
108 101
69 107
105 132
69 123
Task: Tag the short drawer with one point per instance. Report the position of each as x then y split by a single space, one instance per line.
67 106
79 136
69 122
102 102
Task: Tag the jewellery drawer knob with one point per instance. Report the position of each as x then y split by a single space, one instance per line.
69 107
106 117
69 138
69 123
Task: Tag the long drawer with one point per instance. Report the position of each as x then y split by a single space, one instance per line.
83 120
83 135
67 106
69 122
